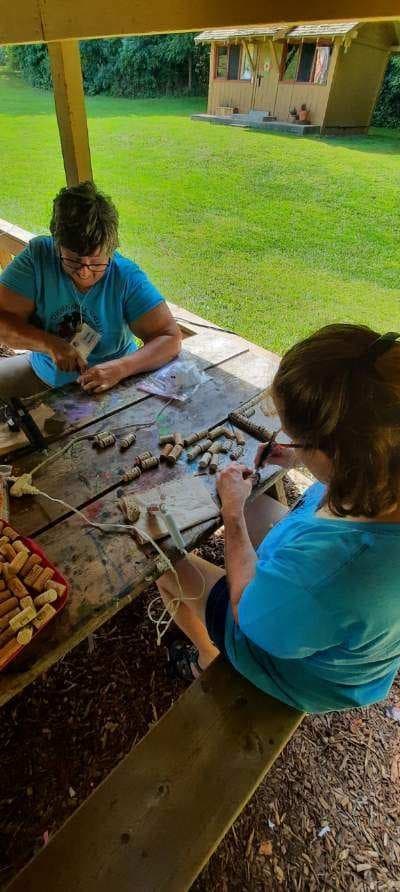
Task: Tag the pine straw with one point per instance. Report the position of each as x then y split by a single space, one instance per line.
64 734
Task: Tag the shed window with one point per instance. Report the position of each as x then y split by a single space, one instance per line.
221 68
306 63
233 64
247 69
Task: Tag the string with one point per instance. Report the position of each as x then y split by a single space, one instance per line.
161 623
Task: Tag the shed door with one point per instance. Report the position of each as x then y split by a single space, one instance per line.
265 81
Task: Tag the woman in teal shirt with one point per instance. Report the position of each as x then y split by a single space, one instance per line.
313 616
75 283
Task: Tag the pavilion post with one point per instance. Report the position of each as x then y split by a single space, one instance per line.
70 109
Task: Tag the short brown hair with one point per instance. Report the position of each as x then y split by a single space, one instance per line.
332 399
84 220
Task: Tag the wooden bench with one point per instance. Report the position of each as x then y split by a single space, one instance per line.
155 821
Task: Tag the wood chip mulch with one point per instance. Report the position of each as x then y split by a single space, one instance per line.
326 817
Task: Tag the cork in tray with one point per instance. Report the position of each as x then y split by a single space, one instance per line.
32 592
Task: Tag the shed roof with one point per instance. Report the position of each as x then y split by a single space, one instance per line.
311 30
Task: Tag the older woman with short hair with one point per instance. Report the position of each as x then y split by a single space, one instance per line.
74 286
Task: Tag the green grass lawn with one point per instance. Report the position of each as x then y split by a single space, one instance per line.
269 235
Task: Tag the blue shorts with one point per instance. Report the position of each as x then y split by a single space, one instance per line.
216 607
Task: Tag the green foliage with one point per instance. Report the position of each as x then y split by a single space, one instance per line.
169 64
33 62
387 111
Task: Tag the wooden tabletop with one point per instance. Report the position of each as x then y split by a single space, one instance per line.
107 570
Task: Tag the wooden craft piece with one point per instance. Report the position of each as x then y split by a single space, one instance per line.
142 457
236 453
256 430
166 451
187 500
194 438
205 460
198 450
103 440
127 441
240 438
218 447
173 456
131 474
214 463
147 464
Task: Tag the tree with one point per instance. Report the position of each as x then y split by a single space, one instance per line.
387 111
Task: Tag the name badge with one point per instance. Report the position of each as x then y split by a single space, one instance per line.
85 340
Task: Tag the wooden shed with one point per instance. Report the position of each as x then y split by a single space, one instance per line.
260 75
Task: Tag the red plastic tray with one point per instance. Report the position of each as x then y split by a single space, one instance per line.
58 605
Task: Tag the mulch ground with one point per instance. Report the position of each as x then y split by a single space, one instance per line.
326 817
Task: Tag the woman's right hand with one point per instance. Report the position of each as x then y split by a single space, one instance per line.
65 356
283 456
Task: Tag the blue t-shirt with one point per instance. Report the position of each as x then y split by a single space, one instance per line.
122 295
319 625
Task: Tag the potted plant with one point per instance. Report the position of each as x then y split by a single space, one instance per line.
304 114
292 115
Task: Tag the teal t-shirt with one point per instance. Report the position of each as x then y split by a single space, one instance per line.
319 625
122 295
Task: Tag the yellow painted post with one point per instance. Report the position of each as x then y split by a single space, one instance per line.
70 109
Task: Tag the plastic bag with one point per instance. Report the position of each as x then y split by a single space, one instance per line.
176 381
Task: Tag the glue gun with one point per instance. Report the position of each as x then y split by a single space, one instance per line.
173 530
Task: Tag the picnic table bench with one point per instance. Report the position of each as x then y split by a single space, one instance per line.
156 819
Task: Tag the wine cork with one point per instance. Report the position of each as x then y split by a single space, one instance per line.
17 587
127 441
20 546
24 636
8 531
23 618
26 602
47 597
167 439
9 650
6 636
5 620
173 456
131 474
166 451
17 563
32 561
7 551
8 605
214 463
45 614
205 460
58 587
194 438
40 583
5 594
33 574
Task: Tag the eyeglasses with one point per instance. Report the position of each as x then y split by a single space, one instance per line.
76 265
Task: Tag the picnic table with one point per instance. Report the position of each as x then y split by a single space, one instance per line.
106 571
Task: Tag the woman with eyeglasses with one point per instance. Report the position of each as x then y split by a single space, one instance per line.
76 304
310 612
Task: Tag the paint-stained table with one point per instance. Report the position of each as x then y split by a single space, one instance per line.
107 570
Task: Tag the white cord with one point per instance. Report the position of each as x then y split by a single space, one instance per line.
163 622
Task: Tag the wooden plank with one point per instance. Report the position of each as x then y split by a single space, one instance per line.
70 110
5 257
83 474
34 21
155 821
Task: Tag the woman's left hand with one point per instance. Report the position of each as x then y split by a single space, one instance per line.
234 487
101 377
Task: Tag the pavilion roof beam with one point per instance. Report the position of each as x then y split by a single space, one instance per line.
35 21
70 109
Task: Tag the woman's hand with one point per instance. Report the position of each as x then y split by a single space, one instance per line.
234 487
283 456
64 355
102 377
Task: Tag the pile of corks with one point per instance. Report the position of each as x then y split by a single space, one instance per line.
207 445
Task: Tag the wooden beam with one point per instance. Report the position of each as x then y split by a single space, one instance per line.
34 21
70 109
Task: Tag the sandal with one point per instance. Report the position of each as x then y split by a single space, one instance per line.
183 659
